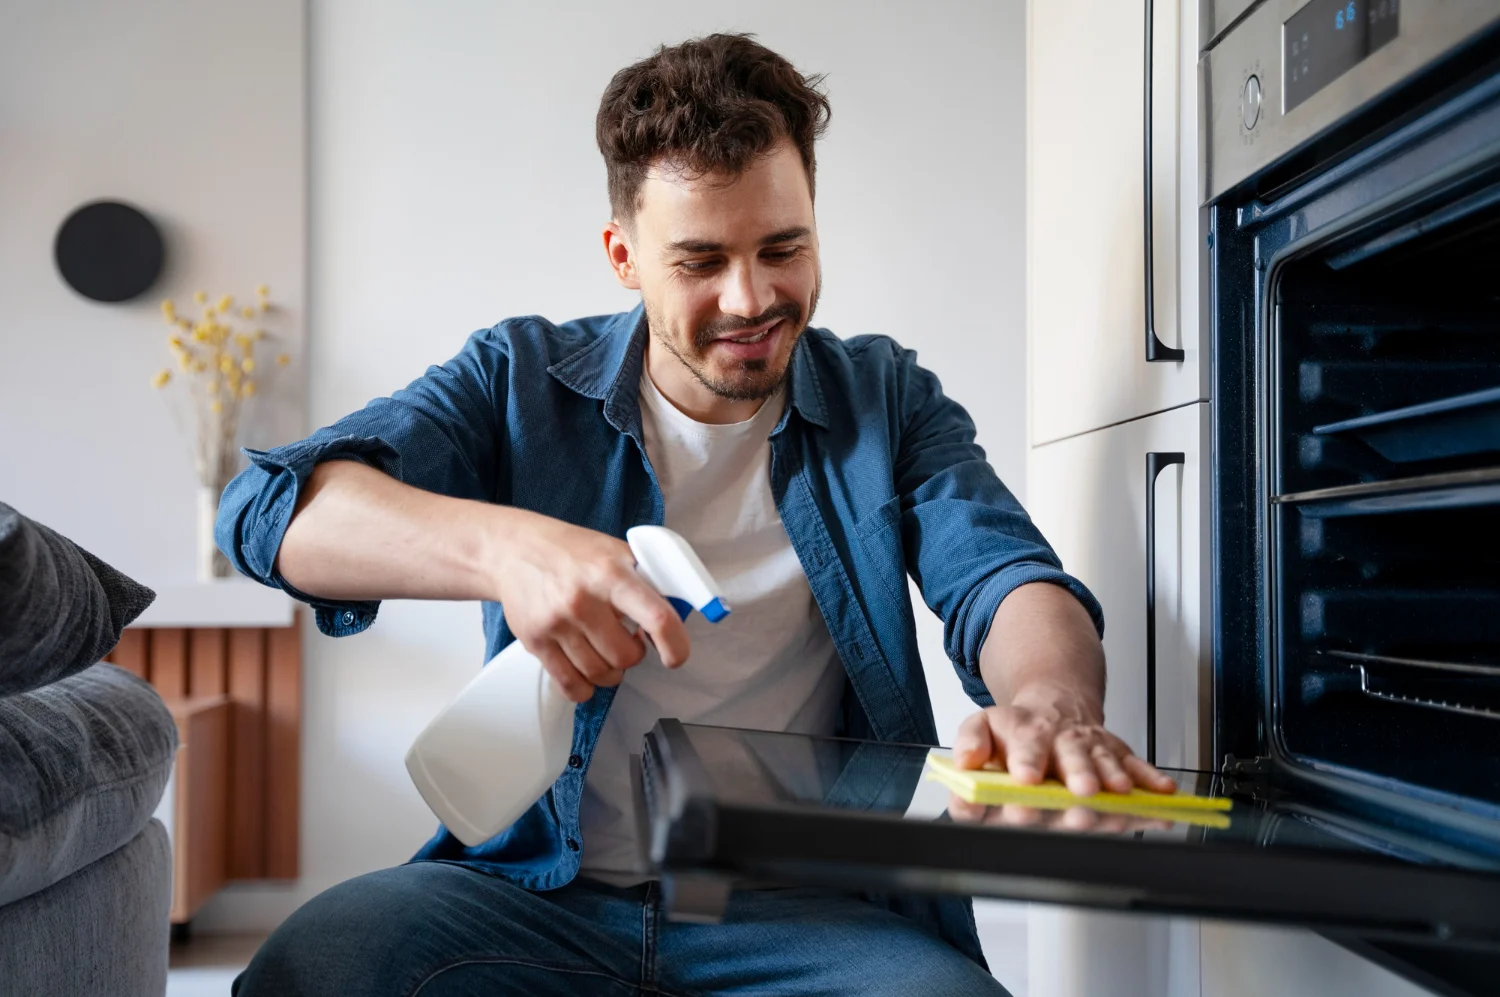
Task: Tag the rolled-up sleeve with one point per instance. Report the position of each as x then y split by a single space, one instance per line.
968 542
440 434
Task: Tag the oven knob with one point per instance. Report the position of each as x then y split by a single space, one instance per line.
1250 108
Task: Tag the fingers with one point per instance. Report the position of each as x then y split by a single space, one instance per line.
1085 757
973 747
607 635
586 660
1075 764
1148 776
639 601
1027 743
1111 773
1142 773
560 667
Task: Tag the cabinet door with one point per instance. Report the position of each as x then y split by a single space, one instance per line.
1075 953
1087 282
1087 494
1240 960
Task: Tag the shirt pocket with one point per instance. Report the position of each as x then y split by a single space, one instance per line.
880 536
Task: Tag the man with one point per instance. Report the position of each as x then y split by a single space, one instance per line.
810 473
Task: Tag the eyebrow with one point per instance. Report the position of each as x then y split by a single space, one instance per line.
703 246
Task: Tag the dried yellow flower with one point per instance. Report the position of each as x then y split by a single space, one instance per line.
226 363
161 379
263 290
199 366
283 360
249 365
185 362
175 342
249 389
260 334
199 297
245 342
225 303
248 311
169 310
216 407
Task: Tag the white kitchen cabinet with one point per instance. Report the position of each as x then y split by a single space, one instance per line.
1087 494
1085 223
1074 953
1251 961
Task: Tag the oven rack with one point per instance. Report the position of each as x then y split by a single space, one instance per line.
1364 664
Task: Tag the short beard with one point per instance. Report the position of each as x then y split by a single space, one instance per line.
751 388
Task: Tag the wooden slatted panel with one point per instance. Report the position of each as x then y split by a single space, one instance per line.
259 672
200 809
206 662
168 657
130 653
283 749
247 811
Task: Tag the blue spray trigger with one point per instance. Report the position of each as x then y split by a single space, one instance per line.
683 608
715 610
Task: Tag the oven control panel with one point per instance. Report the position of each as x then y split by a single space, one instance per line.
1292 69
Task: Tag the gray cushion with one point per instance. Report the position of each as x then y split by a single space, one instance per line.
61 608
102 932
83 764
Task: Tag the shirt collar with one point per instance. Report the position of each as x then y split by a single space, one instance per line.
609 369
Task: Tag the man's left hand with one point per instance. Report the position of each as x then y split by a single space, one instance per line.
1049 731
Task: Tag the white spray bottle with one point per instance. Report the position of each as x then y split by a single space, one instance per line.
497 748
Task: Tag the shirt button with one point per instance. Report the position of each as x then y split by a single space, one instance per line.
575 762
348 617
572 845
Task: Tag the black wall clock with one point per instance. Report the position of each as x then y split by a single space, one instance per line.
109 251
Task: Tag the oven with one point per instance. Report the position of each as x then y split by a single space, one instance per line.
1350 162
1351 169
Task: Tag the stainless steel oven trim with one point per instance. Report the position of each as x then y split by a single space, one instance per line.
1217 16
1231 152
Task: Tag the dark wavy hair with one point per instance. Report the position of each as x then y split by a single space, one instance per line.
709 105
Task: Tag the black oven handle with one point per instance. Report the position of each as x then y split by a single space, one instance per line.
1155 463
1156 350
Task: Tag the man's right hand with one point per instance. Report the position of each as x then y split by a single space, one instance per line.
566 590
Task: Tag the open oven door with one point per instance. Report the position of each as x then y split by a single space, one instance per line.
724 807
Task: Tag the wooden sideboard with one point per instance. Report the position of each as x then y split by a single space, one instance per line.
236 694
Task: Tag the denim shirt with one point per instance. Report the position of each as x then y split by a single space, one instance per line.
874 471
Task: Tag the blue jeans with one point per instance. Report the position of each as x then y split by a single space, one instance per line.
440 930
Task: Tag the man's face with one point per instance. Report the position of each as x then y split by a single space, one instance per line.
728 270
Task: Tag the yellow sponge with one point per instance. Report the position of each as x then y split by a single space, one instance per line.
991 787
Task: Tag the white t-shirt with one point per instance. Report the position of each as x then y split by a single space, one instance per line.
770 665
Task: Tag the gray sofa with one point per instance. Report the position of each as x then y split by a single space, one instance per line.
85 752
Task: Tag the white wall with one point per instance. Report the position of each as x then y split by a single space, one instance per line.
194 113
453 182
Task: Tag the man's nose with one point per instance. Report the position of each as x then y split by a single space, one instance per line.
747 291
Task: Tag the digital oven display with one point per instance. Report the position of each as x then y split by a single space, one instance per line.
1327 38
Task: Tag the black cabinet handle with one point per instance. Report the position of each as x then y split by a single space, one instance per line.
1155 462
1156 350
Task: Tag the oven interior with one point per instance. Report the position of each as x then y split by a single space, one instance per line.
1384 422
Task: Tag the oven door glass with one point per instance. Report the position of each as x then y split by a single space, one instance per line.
757 807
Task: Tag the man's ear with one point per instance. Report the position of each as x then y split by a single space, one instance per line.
621 256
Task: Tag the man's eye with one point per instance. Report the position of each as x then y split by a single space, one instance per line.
698 266
780 254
